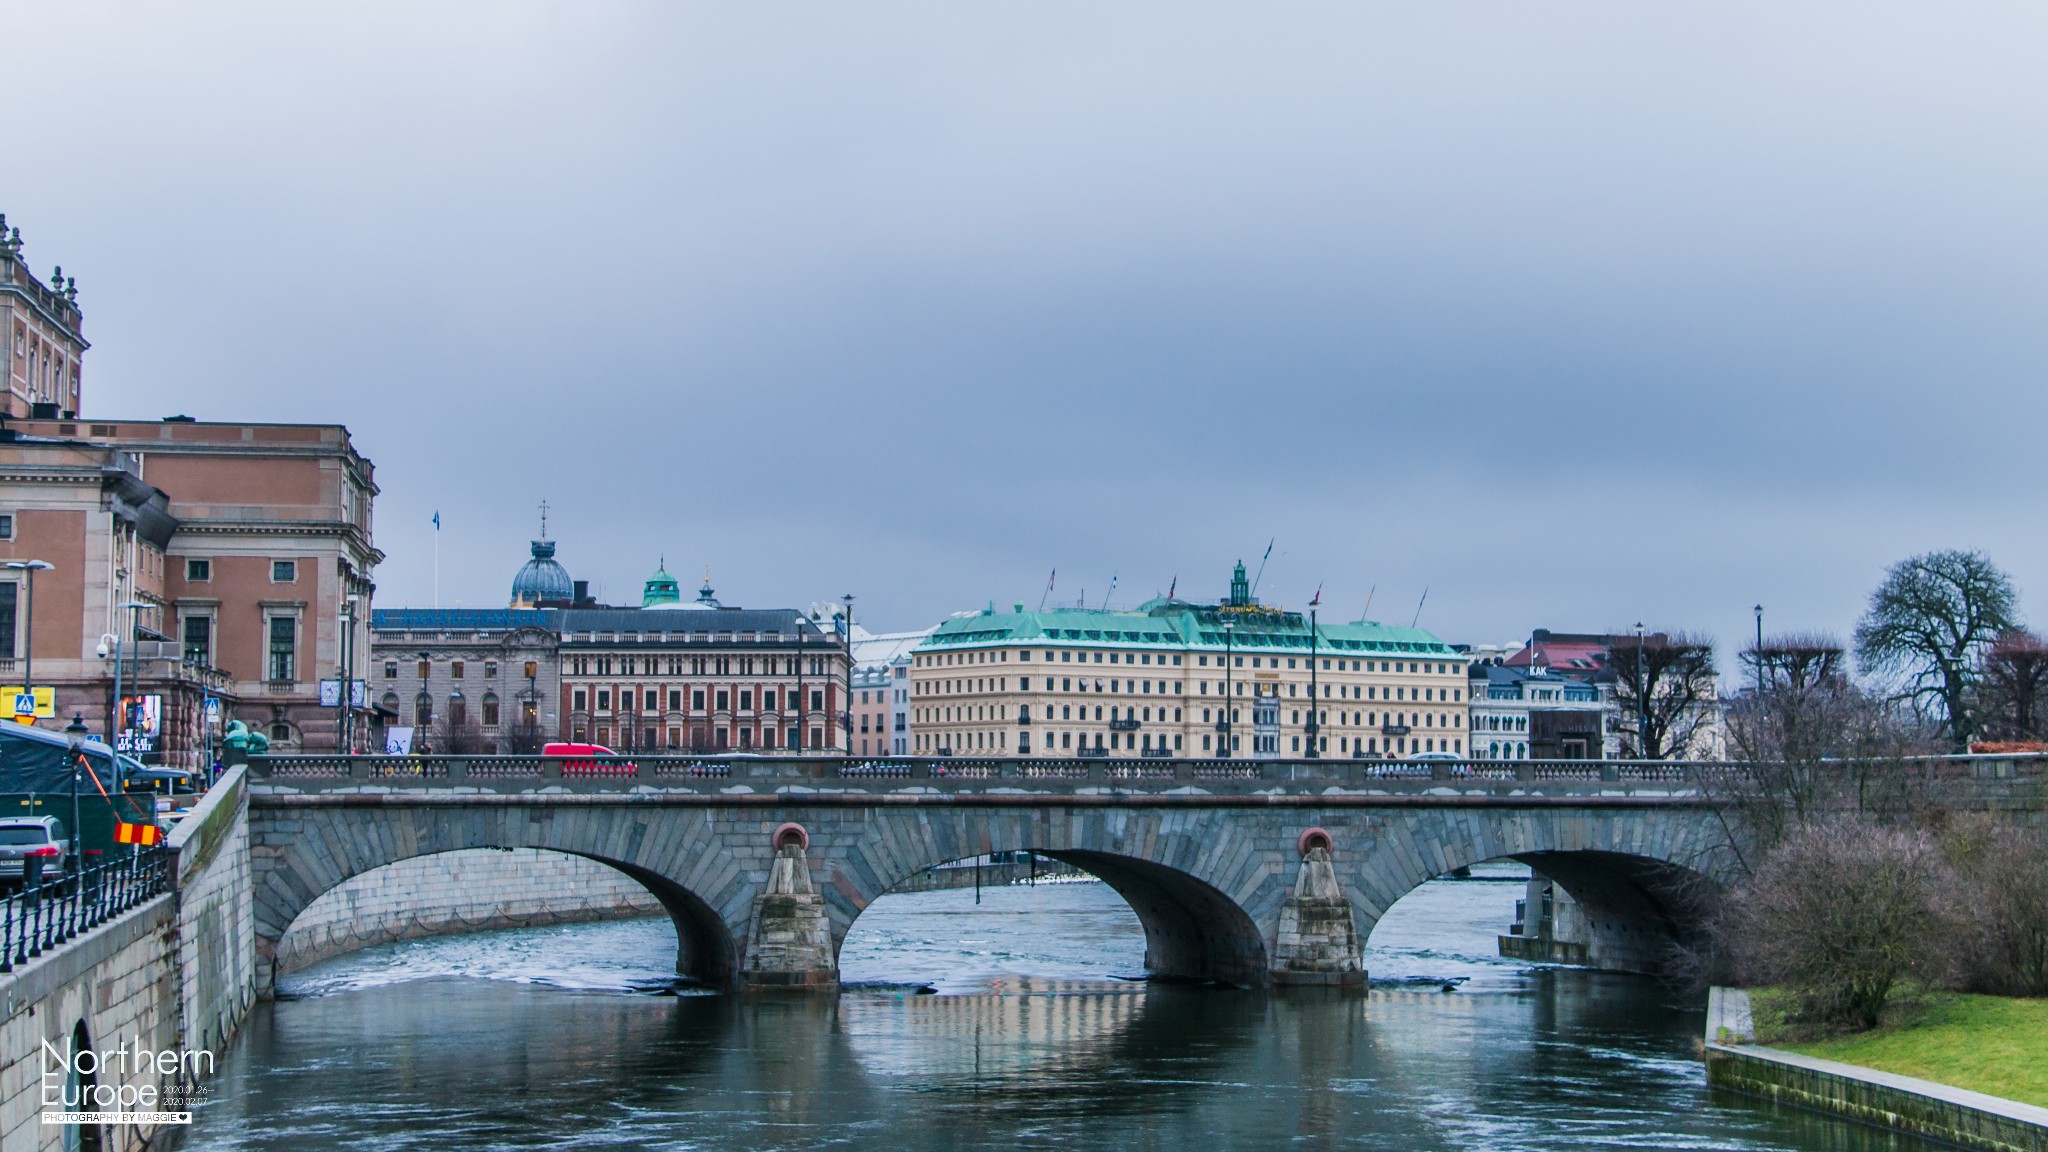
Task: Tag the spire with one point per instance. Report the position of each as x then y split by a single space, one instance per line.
543 517
1240 587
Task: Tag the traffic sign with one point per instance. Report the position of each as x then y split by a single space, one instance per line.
211 710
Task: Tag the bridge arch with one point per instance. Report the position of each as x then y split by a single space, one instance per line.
324 848
1643 879
1199 883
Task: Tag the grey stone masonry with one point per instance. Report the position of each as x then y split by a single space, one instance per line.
1207 853
1316 943
461 891
791 935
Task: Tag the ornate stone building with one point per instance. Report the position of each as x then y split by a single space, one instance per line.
44 332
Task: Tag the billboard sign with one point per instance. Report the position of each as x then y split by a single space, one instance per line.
141 727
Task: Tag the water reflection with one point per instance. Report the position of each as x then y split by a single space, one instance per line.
559 1038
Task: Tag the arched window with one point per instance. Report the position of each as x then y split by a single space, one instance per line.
390 702
280 734
422 710
458 710
490 709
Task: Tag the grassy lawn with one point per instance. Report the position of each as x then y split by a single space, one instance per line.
1984 1043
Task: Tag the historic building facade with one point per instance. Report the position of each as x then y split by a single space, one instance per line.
1175 678
45 337
467 679
1525 713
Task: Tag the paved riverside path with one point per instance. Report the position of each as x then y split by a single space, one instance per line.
1208 853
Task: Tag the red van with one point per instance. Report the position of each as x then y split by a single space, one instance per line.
582 760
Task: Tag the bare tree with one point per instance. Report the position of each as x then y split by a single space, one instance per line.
458 736
1665 693
1811 746
1929 621
2013 687
1839 914
2001 893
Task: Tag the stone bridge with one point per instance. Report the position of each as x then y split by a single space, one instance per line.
1245 873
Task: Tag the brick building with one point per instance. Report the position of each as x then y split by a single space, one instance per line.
44 333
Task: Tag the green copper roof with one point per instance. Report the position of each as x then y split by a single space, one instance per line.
1181 625
661 588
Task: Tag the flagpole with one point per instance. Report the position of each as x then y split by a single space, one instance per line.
437 559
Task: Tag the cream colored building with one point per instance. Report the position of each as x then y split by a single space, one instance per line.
1176 679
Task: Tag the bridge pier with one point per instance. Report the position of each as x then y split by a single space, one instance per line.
1317 942
789 940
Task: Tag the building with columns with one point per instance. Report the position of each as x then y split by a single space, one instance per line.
1175 678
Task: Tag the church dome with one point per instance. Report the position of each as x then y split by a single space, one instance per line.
542 578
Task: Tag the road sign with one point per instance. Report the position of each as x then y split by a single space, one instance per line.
211 710
42 699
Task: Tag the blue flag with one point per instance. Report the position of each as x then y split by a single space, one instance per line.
437 521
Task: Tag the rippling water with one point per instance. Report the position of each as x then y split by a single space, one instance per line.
1037 1036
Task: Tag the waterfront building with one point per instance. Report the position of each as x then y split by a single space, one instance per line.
1178 678
45 338
1586 658
1523 713
872 688
254 566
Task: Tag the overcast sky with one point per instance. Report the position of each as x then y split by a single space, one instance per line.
1573 314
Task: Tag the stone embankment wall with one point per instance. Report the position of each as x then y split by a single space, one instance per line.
174 974
1904 1103
462 891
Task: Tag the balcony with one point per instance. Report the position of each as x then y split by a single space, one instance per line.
280 687
1395 729
1024 719
1123 725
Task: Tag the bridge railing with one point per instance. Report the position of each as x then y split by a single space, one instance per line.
41 916
945 774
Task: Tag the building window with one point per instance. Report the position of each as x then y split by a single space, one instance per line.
604 700
490 669
675 703
281 733
198 571
284 571
490 710
426 667
697 699
199 640
422 710
284 637
7 602
6 525
391 669
458 710
653 703
577 700
455 669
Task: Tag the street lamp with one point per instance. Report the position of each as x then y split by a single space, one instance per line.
1313 726
797 745
114 728
1642 701
75 733
846 705
1759 652
1223 721
28 657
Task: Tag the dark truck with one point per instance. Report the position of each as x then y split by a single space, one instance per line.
37 780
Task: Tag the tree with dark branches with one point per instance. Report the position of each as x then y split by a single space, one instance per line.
1930 621
1811 745
2012 687
1665 693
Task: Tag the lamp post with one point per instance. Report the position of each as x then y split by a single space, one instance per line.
118 713
1313 726
797 745
1223 722
1759 653
75 733
344 721
846 705
1642 701
28 651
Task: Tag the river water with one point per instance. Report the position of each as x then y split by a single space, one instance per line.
1012 1022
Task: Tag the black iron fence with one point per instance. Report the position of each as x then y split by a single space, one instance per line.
44 915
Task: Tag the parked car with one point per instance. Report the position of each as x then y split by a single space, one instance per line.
33 844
